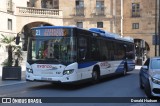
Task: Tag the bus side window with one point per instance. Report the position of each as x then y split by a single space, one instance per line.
82 53
95 49
129 51
110 46
104 50
119 51
82 48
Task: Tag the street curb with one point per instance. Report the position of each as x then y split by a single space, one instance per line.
2 85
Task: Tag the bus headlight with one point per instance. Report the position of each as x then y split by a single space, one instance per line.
156 81
29 70
67 72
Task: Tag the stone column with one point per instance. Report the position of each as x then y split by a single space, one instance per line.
38 3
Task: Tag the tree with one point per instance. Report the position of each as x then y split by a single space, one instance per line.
8 70
11 48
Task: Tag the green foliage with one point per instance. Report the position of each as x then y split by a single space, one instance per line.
11 49
6 63
7 40
18 52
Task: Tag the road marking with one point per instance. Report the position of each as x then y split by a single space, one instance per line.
15 93
13 83
4 95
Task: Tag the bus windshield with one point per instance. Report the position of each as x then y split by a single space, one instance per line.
53 49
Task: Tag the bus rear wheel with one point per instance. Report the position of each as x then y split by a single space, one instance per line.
125 70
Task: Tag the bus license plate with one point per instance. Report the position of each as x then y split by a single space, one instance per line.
46 72
44 78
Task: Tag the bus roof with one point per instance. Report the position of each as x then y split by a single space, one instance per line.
45 27
111 35
94 30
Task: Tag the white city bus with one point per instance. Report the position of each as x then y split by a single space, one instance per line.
69 54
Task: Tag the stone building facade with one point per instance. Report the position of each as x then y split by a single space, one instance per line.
89 13
135 18
139 23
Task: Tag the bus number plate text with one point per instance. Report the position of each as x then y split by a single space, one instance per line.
48 79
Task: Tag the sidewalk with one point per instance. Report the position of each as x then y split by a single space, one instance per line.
12 82
138 67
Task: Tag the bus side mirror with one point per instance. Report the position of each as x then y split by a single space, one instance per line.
17 39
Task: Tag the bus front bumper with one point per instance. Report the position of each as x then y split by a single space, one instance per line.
63 79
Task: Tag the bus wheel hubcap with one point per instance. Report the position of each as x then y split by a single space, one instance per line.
94 75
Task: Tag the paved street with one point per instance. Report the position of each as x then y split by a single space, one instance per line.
118 86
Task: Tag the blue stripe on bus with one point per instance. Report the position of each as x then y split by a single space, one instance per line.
120 68
131 65
85 64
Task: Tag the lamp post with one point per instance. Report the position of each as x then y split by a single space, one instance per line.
16 59
122 17
159 26
155 27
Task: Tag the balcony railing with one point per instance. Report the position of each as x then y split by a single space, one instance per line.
38 12
100 11
136 14
79 11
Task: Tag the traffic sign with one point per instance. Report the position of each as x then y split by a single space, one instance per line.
155 40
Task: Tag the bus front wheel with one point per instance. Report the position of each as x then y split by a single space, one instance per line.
95 77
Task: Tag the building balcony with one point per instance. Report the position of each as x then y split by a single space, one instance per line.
100 11
135 14
34 12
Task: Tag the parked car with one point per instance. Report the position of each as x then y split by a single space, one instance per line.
150 77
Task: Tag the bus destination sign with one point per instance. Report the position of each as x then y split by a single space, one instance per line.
51 32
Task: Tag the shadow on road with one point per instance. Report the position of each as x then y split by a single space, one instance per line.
57 86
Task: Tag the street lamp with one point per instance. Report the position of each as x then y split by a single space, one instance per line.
155 27
16 59
159 27
17 38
